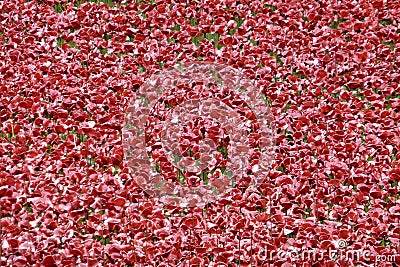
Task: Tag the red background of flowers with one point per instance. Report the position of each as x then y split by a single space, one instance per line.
330 70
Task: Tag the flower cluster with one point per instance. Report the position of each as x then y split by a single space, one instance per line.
329 71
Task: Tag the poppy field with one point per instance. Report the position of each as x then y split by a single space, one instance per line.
327 70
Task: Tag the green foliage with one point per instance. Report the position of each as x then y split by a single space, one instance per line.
286 132
215 37
301 76
91 161
204 177
335 24
386 22
367 206
307 214
160 64
73 45
108 2
7 215
391 44
159 185
254 43
141 70
103 51
143 15
281 169
266 99
336 95
60 41
193 22
107 37
114 170
181 178
10 137
277 58
270 7
393 157
102 239
198 39
385 242
288 105
81 137
152 2
176 28
173 40
305 140
304 17
223 151
239 21
78 3
58 8
28 208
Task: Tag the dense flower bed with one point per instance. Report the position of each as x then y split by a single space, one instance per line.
329 70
